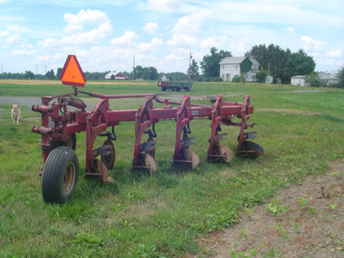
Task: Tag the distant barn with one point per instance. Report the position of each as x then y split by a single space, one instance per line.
116 76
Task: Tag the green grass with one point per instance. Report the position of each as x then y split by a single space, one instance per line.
162 216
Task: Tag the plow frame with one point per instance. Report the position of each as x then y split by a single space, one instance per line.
62 117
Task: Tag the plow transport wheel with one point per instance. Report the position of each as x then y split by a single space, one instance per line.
249 150
60 175
192 157
150 164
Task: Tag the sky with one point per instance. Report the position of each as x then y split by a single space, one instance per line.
105 35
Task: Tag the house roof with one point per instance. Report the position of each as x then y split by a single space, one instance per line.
232 60
326 76
298 77
237 60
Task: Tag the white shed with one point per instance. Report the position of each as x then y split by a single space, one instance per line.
299 80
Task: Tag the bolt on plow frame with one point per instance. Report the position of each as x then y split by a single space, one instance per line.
66 115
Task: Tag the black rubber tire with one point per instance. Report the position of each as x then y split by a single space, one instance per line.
163 88
55 170
250 150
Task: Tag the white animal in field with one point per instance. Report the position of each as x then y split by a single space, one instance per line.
16 114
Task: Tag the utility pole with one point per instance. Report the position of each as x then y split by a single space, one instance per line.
134 68
188 71
190 57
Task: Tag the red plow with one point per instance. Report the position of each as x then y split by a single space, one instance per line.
66 115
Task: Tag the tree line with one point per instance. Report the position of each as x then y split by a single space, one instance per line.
280 63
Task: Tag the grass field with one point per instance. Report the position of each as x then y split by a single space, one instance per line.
163 215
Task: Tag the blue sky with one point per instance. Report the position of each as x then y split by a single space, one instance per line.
106 34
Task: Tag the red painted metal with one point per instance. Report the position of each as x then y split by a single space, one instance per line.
64 116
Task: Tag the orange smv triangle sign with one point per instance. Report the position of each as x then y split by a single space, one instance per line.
72 73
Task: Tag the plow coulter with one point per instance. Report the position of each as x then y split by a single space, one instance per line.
66 115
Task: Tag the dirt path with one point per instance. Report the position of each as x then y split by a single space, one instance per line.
305 220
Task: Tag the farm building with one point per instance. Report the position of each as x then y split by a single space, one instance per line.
121 76
237 66
328 78
299 80
115 76
110 75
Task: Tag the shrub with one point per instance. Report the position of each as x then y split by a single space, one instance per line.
261 76
314 80
236 78
210 79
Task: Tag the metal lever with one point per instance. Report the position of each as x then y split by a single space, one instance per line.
110 135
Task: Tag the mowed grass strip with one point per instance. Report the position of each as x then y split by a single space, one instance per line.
161 216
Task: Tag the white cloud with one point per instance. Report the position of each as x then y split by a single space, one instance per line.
163 5
154 43
274 12
185 40
77 22
86 16
23 52
208 43
127 38
311 44
337 53
150 27
291 29
85 27
184 25
185 31
191 23
12 34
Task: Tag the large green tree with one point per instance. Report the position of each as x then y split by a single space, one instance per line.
300 63
340 77
193 70
50 75
210 63
29 75
146 73
282 64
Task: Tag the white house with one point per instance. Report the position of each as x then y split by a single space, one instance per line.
237 66
299 80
